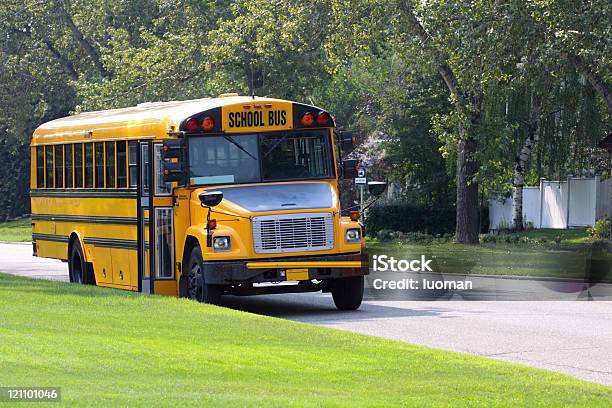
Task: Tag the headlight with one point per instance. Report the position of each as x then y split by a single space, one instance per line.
353 236
222 244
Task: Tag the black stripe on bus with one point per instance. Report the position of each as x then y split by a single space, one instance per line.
99 242
112 243
83 194
49 237
90 219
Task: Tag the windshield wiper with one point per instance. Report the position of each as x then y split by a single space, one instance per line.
238 145
270 150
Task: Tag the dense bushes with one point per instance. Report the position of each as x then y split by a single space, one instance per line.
410 218
414 237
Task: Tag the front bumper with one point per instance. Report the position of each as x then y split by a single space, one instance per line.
283 269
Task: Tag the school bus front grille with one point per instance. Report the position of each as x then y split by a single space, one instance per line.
293 233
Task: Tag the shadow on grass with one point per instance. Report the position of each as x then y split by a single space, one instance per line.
301 307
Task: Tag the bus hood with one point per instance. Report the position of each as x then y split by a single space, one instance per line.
278 197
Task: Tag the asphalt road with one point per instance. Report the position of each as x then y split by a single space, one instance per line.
571 337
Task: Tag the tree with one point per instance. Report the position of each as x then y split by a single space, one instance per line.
580 33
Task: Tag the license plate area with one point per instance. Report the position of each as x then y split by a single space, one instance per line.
300 274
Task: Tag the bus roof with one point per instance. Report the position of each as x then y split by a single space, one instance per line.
146 120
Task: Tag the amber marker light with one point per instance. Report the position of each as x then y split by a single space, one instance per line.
208 123
307 119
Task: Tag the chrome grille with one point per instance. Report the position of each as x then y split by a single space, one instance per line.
293 233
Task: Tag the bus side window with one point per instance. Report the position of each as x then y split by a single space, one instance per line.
59 166
49 167
89 165
110 164
40 167
121 165
133 160
78 165
99 158
68 173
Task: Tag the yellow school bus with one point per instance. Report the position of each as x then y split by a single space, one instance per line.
231 195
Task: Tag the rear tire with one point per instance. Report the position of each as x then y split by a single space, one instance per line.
197 289
348 292
79 271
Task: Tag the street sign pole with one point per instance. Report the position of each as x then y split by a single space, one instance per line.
361 203
361 181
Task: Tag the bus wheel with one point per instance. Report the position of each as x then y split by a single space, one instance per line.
79 270
76 265
197 288
348 292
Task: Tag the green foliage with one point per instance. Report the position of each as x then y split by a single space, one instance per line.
424 238
488 239
601 229
575 237
365 64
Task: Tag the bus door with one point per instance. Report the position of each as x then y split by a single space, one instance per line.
155 224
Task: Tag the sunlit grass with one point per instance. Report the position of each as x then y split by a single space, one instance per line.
18 230
107 347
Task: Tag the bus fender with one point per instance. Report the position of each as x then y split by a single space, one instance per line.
75 236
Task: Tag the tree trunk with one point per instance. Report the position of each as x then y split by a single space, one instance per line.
596 81
467 225
518 180
85 45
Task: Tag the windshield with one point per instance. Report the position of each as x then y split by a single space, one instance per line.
259 157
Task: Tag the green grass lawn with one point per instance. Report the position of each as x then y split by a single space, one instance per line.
106 347
19 230
496 259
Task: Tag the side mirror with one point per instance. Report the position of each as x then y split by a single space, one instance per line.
347 141
376 188
211 198
349 168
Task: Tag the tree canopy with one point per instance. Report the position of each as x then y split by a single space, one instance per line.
467 98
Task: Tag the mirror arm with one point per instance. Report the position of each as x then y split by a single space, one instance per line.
371 203
365 207
208 230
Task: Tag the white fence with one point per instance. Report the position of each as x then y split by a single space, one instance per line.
576 202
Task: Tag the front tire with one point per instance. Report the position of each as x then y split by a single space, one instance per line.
197 288
348 293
